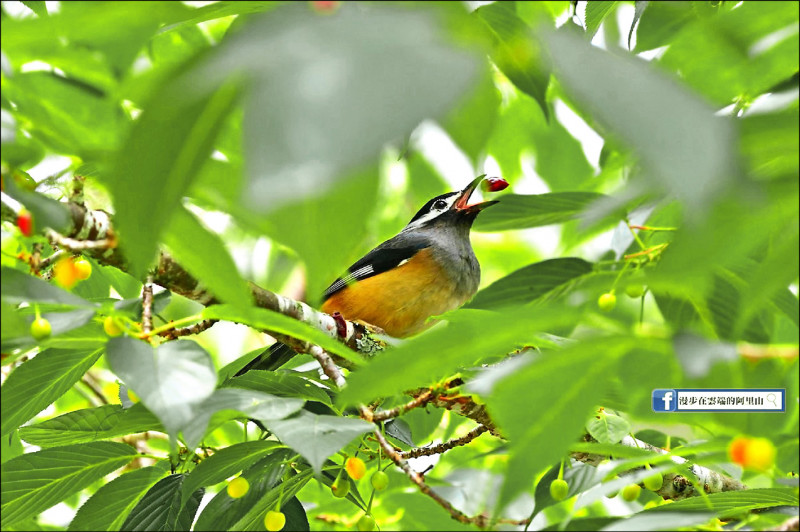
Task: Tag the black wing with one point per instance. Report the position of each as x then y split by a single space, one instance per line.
384 257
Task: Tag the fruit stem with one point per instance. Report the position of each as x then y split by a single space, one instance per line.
171 325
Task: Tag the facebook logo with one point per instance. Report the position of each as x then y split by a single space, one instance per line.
665 400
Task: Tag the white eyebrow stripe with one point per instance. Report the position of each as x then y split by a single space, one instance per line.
432 214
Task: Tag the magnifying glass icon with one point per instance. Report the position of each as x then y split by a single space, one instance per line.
771 399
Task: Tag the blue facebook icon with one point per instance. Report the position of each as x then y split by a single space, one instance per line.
665 400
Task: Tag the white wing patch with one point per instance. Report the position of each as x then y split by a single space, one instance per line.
350 278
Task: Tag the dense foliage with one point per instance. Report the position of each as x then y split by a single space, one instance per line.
277 143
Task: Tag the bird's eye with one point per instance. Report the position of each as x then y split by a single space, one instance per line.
440 205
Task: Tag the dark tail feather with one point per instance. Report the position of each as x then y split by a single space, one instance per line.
277 355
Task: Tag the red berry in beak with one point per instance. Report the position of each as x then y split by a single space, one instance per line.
494 184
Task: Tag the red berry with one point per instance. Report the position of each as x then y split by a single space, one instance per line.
325 6
25 222
494 184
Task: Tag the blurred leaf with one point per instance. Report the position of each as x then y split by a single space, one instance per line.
470 336
66 115
110 505
640 7
40 381
34 482
317 437
531 283
161 508
595 13
660 23
172 380
280 384
571 375
227 462
230 403
697 354
46 212
306 124
769 144
515 51
608 428
676 135
325 235
168 145
88 425
264 319
730 503
204 255
471 123
522 211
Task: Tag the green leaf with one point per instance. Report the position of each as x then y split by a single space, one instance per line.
230 403
46 212
522 211
161 508
269 320
469 337
471 123
171 380
19 287
90 424
227 462
281 384
608 428
307 125
531 282
683 145
317 437
254 518
40 381
730 503
595 13
110 505
572 375
660 23
34 482
769 144
516 52
193 245
168 145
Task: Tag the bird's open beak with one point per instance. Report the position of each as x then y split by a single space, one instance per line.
462 203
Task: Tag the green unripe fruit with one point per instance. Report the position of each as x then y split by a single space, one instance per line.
559 489
274 521
654 482
366 523
340 487
631 492
41 329
379 480
634 290
607 302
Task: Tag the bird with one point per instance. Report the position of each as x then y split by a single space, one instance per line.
427 269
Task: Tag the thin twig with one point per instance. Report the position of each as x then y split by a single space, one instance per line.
147 305
327 364
445 446
421 400
89 381
197 328
79 245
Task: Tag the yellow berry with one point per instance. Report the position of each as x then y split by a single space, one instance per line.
559 489
238 487
631 492
41 329
759 454
274 521
607 302
111 326
65 273
355 468
83 269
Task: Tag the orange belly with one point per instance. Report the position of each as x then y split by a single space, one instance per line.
400 300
